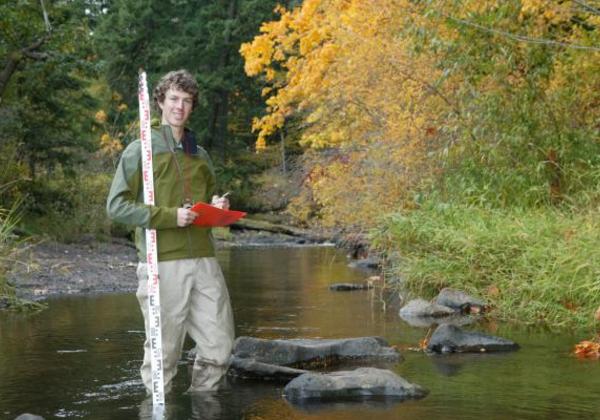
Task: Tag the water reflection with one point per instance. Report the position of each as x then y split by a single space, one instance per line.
374 405
452 364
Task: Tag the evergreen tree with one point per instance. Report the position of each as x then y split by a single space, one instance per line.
201 36
46 59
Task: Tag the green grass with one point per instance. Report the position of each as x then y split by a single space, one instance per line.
8 220
65 208
536 266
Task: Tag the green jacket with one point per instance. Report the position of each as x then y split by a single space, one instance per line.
125 203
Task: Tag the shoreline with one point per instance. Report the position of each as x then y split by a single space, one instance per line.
52 269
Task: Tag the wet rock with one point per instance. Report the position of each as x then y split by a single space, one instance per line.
449 339
251 369
346 287
4 303
459 300
362 382
422 308
369 263
302 352
429 321
27 416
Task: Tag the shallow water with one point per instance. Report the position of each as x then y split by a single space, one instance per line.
80 357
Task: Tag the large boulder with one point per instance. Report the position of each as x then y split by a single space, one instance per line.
449 339
251 369
460 301
362 382
423 308
303 352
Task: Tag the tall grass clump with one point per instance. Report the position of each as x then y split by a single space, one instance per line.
8 221
9 248
537 266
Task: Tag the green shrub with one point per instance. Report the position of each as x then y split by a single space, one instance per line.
65 207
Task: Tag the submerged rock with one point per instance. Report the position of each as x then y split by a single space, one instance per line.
302 352
252 369
422 308
345 287
459 300
449 338
362 382
368 263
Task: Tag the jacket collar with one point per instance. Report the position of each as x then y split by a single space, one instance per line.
188 143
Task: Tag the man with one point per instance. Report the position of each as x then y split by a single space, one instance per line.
193 294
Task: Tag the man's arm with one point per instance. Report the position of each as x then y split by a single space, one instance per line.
122 204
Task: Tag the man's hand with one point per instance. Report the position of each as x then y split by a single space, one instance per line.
185 217
220 202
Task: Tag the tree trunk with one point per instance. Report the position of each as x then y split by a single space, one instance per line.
17 56
223 95
222 120
283 164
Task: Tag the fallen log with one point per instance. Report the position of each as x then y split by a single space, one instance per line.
253 224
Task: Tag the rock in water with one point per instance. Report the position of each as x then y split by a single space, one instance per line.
27 416
449 338
251 369
346 287
422 308
459 300
365 264
362 382
302 352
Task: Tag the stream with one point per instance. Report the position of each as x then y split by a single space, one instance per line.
80 357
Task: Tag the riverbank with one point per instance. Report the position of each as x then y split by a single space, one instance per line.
532 266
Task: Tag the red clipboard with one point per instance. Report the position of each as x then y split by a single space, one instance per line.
209 216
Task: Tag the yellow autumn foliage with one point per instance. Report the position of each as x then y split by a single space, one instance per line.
381 98
101 117
359 91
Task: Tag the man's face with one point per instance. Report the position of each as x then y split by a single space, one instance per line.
176 108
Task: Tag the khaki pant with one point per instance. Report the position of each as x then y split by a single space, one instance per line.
193 299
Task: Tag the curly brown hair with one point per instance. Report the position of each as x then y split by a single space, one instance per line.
178 79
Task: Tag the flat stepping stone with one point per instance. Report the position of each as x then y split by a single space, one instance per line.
251 369
359 383
450 338
459 300
303 352
347 287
